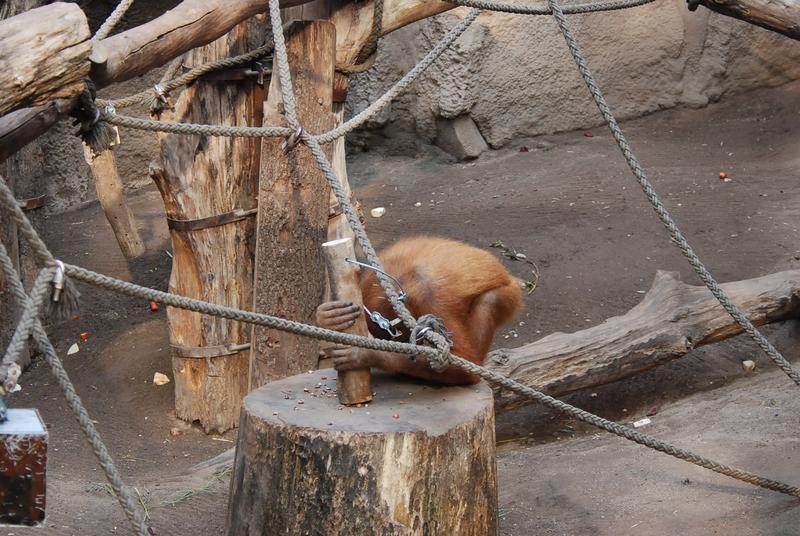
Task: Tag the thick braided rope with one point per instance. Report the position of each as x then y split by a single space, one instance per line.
145 97
255 132
622 431
299 328
9 203
194 128
674 232
282 61
123 493
112 20
374 109
30 314
544 9
367 56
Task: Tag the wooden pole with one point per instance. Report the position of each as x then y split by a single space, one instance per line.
419 459
199 178
108 185
354 386
293 211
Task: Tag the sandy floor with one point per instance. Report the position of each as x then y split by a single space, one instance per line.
569 204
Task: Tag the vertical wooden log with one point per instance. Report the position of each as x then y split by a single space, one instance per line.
108 185
419 460
354 386
293 211
202 177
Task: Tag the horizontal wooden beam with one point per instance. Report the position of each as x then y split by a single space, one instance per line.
672 319
782 16
44 55
194 23
190 24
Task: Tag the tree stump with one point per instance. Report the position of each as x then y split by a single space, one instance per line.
419 459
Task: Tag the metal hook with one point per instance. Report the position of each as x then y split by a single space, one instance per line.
290 142
401 295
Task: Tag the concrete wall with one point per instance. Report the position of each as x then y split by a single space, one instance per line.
514 76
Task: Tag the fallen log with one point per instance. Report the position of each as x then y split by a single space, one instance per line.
782 16
44 53
672 319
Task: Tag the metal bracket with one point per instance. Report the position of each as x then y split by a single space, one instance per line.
32 203
205 352
259 69
211 221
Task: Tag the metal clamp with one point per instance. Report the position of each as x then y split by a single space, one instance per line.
211 221
384 323
293 139
58 281
160 93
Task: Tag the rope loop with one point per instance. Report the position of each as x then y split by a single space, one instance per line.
431 331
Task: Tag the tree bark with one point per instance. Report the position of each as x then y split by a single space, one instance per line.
419 459
204 177
293 211
108 186
672 319
782 16
44 53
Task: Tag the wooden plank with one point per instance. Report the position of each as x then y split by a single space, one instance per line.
44 55
293 211
199 177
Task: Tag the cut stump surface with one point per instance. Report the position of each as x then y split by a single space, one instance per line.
418 459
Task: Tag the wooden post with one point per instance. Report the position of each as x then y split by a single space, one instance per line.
293 211
354 386
419 459
204 177
782 16
108 185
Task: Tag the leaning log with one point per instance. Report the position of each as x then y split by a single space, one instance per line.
419 459
782 16
44 55
109 188
672 319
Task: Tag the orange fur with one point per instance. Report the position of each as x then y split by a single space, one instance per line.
468 288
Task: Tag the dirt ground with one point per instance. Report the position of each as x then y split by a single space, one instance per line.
570 204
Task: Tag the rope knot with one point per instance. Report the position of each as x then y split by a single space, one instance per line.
94 130
431 331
